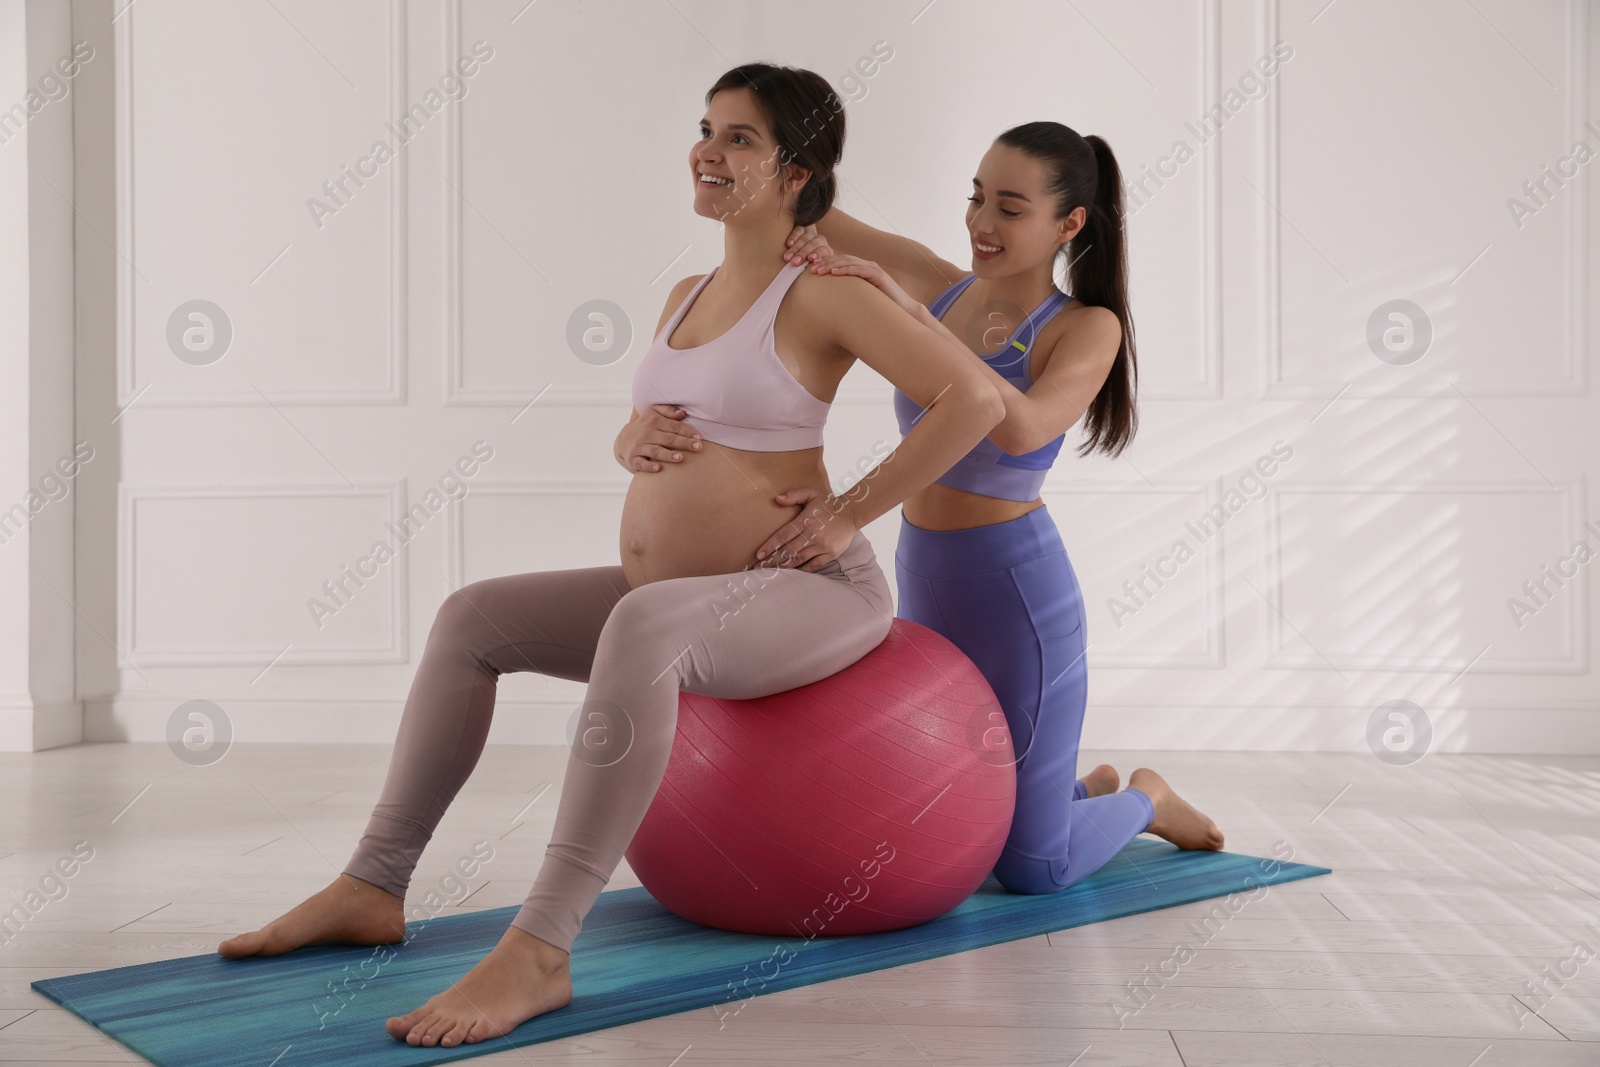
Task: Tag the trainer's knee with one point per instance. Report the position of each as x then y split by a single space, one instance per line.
1033 875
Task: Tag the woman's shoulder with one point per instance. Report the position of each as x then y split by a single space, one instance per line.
827 295
822 311
1087 329
1089 317
679 293
681 287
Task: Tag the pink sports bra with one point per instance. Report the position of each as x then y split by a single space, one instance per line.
734 389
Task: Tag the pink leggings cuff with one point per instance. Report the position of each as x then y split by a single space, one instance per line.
561 896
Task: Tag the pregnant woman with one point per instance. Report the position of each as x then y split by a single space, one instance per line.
753 353
979 558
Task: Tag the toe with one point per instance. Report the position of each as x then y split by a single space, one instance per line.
452 1037
242 945
269 945
433 1029
418 1033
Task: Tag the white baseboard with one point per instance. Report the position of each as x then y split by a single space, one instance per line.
1484 730
330 722
1573 730
32 726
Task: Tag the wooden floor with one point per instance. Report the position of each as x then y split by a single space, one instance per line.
1461 884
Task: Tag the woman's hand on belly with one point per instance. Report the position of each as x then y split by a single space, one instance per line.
647 441
709 515
815 537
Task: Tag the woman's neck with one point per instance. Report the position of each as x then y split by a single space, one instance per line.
754 249
1025 289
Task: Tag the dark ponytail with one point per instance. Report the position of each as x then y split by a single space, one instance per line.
1083 172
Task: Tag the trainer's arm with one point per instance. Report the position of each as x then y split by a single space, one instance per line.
1072 376
912 264
962 405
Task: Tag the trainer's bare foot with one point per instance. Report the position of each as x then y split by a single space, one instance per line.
1102 780
1176 819
349 912
521 977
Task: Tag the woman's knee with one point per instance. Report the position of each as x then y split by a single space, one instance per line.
467 609
646 619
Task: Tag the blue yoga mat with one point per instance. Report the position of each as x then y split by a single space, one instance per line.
633 960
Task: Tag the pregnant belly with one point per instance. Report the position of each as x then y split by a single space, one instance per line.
709 514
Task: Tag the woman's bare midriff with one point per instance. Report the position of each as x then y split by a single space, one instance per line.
709 513
939 507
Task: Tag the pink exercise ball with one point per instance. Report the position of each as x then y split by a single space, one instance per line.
874 799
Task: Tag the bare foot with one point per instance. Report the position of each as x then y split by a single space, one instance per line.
1176 819
349 911
1102 780
521 977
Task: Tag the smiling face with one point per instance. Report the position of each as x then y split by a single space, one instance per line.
1011 219
734 164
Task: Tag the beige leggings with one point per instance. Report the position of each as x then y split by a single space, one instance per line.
741 635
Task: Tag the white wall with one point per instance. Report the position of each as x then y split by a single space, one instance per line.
429 312
38 599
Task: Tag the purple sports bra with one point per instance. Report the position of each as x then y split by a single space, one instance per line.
734 389
986 470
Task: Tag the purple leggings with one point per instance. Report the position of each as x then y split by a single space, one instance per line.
737 636
1007 596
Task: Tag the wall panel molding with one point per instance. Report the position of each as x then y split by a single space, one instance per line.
143 654
1578 247
1212 655
1573 606
129 390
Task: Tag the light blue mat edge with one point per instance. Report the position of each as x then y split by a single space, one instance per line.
618 976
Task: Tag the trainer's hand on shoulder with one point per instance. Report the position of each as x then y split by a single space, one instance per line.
838 263
805 243
654 438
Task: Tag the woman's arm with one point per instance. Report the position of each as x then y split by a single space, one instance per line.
912 264
1076 369
852 315
643 444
